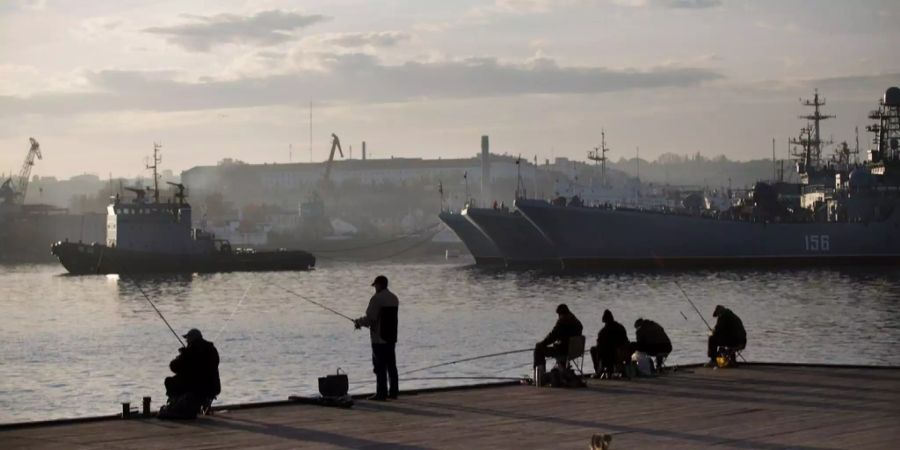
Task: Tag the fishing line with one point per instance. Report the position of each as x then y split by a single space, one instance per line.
228 320
314 302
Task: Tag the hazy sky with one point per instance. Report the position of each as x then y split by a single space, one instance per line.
97 82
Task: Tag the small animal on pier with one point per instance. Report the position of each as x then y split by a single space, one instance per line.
601 441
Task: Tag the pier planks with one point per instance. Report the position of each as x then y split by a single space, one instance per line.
754 406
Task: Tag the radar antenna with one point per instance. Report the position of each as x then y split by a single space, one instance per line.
598 154
157 158
180 194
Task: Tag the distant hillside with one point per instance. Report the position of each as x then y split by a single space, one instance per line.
702 171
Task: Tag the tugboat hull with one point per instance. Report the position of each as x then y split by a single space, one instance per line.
90 259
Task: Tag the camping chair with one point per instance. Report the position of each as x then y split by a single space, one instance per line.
206 407
576 352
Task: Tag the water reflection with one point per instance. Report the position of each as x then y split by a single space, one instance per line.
82 344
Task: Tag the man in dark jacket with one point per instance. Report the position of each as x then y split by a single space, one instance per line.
196 382
651 339
381 318
556 344
729 332
612 346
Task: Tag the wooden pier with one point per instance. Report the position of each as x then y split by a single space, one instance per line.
756 406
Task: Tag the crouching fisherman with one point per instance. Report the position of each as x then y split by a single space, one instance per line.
652 339
196 381
729 333
556 344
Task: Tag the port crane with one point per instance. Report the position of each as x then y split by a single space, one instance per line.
335 145
19 186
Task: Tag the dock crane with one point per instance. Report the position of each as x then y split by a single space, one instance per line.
19 186
335 144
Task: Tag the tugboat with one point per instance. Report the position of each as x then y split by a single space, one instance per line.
156 237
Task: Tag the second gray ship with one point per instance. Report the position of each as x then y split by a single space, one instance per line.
843 213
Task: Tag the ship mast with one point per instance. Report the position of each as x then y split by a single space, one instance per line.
598 154
812 142
157 158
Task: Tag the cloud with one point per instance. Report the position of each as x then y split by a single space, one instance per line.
674 4
356 40
262 29
22 5
352 78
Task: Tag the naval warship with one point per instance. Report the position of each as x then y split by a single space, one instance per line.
847 214
479 245
145 236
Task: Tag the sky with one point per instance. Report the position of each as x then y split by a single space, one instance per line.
98 82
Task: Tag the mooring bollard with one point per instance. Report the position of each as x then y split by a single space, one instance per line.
126 410
146 411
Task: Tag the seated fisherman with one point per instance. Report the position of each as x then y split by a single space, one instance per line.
556 344
651 339
612 346
728 332
196 381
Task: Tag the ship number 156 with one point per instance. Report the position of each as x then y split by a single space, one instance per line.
817 243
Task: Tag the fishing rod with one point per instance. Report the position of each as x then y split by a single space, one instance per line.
466 360
692 305
314 303
700 314
484 377
138 285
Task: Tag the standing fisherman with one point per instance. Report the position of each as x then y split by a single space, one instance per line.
381 318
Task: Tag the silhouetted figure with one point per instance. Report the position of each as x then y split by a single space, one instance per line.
612 346
196 381
556 344
651 338
728 332
381 318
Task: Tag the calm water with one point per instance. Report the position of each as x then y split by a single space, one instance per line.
77 346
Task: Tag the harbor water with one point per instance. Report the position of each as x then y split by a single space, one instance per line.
74 346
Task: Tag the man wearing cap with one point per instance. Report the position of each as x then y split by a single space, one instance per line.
556 344
196 381
381 318
728 332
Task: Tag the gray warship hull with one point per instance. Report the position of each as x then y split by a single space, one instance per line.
518 241
480 246
619 238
